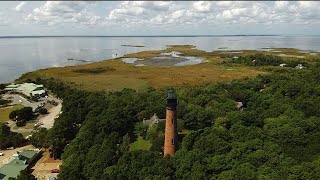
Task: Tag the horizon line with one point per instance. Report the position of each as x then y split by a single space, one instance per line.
217 35
140 35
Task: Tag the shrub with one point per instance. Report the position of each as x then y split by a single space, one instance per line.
43 111
21 123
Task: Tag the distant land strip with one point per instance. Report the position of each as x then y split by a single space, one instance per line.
145 36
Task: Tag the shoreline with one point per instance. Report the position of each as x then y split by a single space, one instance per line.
186 50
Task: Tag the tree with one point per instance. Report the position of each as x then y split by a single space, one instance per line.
40 138
43 111
2 86
21 123
24 113
124 146
8 138
140 129
24 175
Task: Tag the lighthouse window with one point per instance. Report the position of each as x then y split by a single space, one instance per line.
172 141
172 120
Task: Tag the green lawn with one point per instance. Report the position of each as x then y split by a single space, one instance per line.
26 134
140 144
4 112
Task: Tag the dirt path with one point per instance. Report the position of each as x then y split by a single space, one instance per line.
42 169
49 119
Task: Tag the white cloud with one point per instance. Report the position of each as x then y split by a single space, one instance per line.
152 5
20 6
224 3
55 12
138 8
202 6
176 14
281 4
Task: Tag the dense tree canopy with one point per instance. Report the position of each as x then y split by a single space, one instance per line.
8 138
261 59
24 113
275 136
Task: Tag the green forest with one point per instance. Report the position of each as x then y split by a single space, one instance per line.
274 136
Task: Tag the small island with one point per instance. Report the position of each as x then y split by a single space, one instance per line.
126 45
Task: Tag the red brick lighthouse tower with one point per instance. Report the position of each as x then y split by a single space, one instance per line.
171 124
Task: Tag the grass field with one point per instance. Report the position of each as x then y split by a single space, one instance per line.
114 74
140 144
4 112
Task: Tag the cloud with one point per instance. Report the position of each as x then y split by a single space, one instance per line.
57 12
281 5
20 6
173 14
202 6
3 22
139 12
152 5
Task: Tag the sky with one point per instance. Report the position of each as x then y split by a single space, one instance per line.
134 18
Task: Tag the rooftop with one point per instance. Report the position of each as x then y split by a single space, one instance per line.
27 89
153 120
13 168
171 94
29 154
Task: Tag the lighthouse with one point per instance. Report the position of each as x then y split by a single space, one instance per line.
171 123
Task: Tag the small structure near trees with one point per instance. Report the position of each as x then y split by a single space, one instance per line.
239 106
153 120
300 66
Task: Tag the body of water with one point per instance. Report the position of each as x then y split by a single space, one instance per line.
23 54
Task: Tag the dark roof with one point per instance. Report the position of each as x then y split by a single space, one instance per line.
171 94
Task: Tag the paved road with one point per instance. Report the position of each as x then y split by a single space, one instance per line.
47 120
17 99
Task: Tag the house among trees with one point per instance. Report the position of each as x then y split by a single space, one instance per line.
20 161
27 89
153 120
282 65
300 66
239 106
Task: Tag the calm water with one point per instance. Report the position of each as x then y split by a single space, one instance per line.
21 55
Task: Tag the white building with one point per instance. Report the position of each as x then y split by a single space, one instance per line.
300 66
27 89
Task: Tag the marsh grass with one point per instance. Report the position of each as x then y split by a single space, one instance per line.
97 70
112 75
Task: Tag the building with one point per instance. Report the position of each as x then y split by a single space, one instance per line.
300 66
21 161
27 89
153 120
171 124
239 106
283 65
